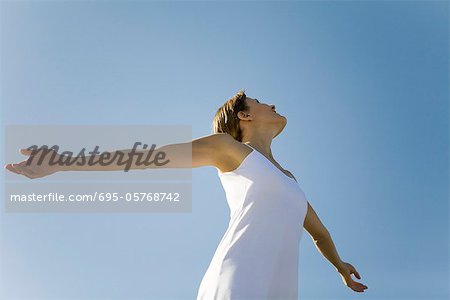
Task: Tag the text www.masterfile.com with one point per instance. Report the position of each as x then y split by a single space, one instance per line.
102 197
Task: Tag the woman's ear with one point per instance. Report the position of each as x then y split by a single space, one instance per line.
244 116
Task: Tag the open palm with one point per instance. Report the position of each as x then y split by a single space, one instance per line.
346 272
33 167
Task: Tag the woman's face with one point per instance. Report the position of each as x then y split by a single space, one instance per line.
265 114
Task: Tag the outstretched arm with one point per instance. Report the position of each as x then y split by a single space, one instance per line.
324 243
203 151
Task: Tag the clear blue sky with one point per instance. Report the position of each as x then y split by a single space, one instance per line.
364 86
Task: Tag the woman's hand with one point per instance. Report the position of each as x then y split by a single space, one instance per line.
345 271
34 170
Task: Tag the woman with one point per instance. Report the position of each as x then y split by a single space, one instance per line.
257 257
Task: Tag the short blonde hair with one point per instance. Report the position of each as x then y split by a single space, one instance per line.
226 119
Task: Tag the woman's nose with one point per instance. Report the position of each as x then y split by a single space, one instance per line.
273 106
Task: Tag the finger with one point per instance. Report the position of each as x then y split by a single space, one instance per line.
9 167
360 287
353 271
23 170
33 151
23 163
17 167
14 169
26 151
357 288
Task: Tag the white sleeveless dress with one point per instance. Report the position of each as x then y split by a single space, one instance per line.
258 256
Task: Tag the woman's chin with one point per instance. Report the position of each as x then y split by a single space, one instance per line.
282 125
280 121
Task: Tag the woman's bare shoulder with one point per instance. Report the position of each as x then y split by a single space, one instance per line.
231 154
